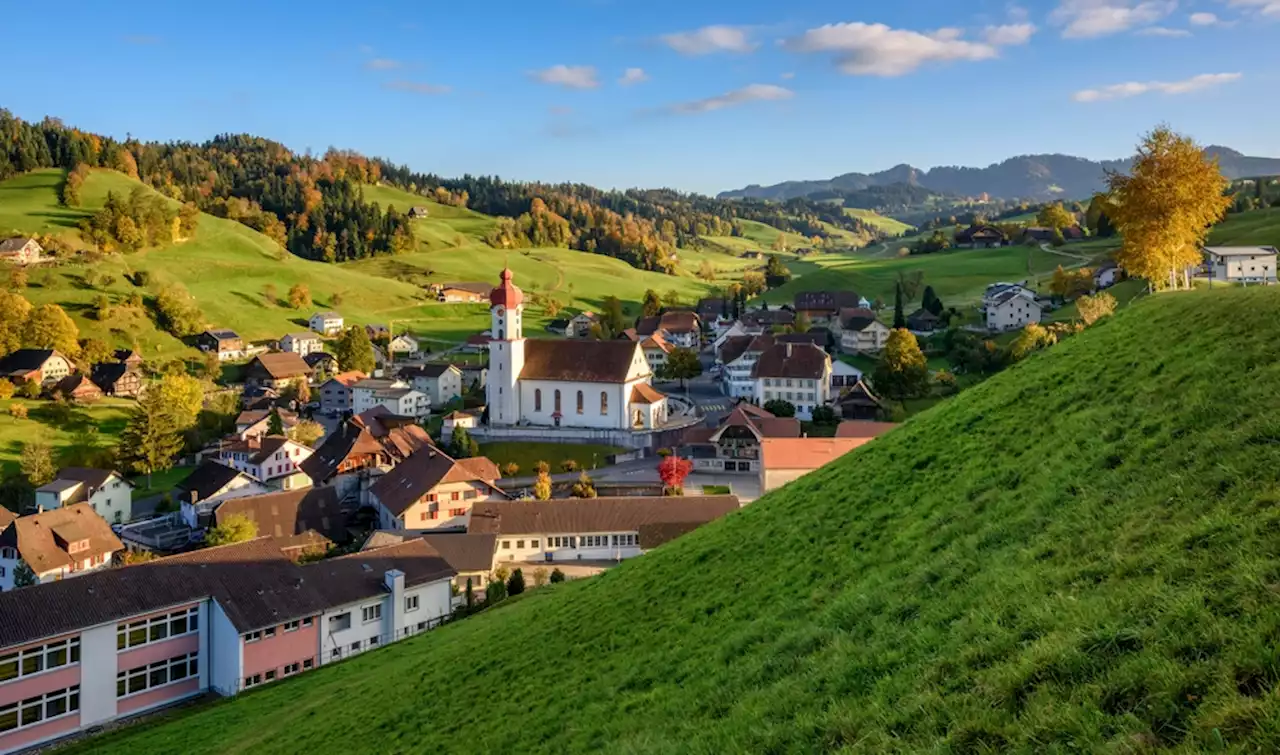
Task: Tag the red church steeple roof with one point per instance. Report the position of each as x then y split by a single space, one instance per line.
506 294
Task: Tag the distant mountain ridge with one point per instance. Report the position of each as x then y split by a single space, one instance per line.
1040 177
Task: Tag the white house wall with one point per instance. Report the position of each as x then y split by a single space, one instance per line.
225 660
520 548
98 668
614 418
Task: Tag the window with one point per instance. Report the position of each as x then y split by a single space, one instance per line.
157 628
557 396
453 496
373 641
506 545
308 663
33 710
520 544
470 494
307 622
533 543
158 674
537 399
336 654
371 613
579 402
340 622
252 681
604 402
291 626
411 603
40 658
269 632
457 512
291 669
355 647
271 675
423 516
8 553
252 636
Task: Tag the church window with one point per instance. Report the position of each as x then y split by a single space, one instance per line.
557 401
579 402
537 399
604 402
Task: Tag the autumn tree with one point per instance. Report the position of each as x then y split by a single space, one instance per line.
1096 307
306 432
682 364
17 411
584 487
1031 339
6 390
95 351
775 273
177 311
902 372
49 327
236 528
753 283
17 279
1070 284
652 305
14 311
673 471
183 395
354 350
1165 206
1055 216
510 469
300 296
36 462
542 483
188 220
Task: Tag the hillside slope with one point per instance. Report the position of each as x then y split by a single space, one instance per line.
1079 554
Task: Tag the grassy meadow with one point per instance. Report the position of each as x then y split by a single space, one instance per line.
1080 554
99 423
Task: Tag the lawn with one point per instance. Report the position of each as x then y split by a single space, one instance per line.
887 224
1080 554
527 455
99 423
161 482
1256 227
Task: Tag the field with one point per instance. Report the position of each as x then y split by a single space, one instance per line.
527 455
887 224
1080 554
1256 227
100 423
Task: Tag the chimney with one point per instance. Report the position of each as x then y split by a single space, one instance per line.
788 349
394 580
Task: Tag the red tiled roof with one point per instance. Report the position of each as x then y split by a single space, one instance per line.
579 360
42 539
643 393
414 477
282 365
804 453
792 360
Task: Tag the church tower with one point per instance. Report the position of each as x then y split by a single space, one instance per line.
506 352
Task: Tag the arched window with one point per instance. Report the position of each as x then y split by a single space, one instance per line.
604 402
557 401
537 399
579 402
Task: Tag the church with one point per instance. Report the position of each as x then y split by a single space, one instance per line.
573 383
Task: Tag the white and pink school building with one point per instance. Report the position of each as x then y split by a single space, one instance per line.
82 652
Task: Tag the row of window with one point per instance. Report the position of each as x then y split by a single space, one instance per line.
572 541
157 674
157 628
537 401
269 632
40 708
40 658
465 495
270 676
789 382
435 513
789 395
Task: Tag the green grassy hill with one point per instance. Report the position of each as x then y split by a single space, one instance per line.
1081 554
887 224
1256 227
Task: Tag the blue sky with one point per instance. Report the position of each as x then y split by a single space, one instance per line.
720 94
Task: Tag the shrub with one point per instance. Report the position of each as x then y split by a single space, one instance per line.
569 465
515 585
29 389
510 469
557 576
6 389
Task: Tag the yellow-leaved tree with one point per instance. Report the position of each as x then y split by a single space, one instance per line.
1164 207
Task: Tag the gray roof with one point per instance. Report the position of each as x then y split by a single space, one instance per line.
14 244
1240 251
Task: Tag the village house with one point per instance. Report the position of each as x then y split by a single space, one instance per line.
405 345
256 423
786 459
861 332
981 237
274 460
580 324
277 370
923 322
335 393
431 491
1240 264
78 388
597 529
122 377
1010 306
843 375
768 320
656 350
822 307
470 554
858 402
360 449
20 250
377 332
553 383
79 653
737 357
474 376
678 327
211 483
106 492
312 517
55 544
465 420
418 211
734 446
799 374
326 323
227 344
301 344
397 396
321 363
1106 275
441 383
44 366
464 293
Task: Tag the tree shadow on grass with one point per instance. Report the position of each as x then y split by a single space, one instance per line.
66 219
256 301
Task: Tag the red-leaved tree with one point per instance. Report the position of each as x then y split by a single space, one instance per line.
673 470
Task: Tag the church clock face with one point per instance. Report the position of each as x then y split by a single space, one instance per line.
501 311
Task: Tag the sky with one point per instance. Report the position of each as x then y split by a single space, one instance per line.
698 95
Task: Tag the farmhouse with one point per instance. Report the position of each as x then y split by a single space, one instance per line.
734 446
404 344
53 545
301 344
981 237
326 323
1009 306
580 324
1240 264
77 387
418 211
20 250
123 377
468 292
857 402
861 332
593 384
430 490
679 327
277 370
107 492
923 321
797 373
227 344
599 529
824 306
44 366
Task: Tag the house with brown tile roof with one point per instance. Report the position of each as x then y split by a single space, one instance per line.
77 387
256 423
274 460
734 446
44 366
290 513
430 491
860 331
469 553
596 529
277 370
737 358
824 306
785 459
679 326
52 545
469 292
799 374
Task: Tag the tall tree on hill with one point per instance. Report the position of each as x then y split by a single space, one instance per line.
354 350
36 462
899 319
902 371
612 318
14 311
930 301
1055 216
48 327
775 273
652 305
152 438
1165 207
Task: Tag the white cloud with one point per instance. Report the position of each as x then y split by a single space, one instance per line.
878 50
1083 19
1203 19
1135 88
1009 34
749 93
633 76
1163 31
418 87
573 77
710 39
1270 8
382 64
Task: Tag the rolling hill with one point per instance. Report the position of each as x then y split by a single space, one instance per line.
1049 176
1079 554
